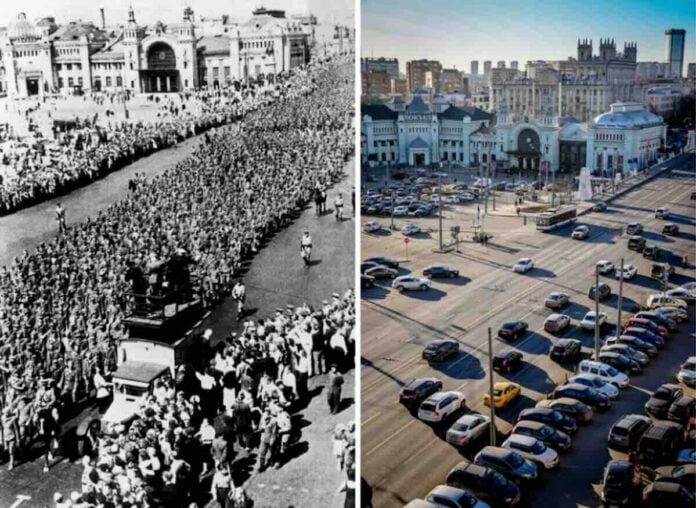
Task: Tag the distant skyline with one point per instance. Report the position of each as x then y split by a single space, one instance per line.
170 11
455 32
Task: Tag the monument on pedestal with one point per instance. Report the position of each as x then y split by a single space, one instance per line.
584 192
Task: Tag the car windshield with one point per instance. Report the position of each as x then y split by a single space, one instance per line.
556 417
515 460
661 395
538 447
498 479
497 393
612 371
508 324
689 366
428 406
460 427
597 382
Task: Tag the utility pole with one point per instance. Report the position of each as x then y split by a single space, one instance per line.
619 304
492 187
439 203
596 307
485 201
490 388
392 210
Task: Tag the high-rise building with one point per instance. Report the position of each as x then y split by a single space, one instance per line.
390 65
416 73
515 65
474 68
501 64
487 67
376 82
691 70
450 81
674 50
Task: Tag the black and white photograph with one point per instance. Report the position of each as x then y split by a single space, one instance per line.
177 254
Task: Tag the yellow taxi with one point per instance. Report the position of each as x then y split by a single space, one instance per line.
504 392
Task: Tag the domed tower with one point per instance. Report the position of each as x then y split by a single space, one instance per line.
26 54
133 34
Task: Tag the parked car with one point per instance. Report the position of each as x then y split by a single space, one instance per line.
549 416
410 282
556 439
645 335
618 483
583 393
556 300
662 213
634 228
629 271
532 449
382 260
366 281
512 330
634 342
452 497
661 494
682 294
670 230
687 372
419 389
580 232
606 372
507 360
620 362
588 322
523 265
636 243
662 272
602 292
626 432
604 266
439 350
659 402
507 462
684 474
504 392
439 406
372 227
556 323
434 271
682 410
686 456
484 483
628 352
600 206
678 314
651 251
659 443
596 382
636 322
467 428
382 272
565 350
366 265
658 319
571 408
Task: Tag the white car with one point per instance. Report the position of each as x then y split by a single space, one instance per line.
581 232
605 266
596 382
523 265
658 300
440 405
629 271
532 449
662 213
687 372
467 429
682 294
588 322
410 282
372 227
401 210
410 229
467 196
604 371
450 200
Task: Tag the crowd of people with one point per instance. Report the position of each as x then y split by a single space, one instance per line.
83 150
61 306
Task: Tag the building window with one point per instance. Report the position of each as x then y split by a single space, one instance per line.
119 81
70 82
58 67
79 81
108 81
68 67
78 66
60 82
216 72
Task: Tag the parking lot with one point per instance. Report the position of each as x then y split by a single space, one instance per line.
402 457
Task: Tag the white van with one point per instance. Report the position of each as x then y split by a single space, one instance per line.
604 371
658 300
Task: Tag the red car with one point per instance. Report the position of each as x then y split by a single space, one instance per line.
647 325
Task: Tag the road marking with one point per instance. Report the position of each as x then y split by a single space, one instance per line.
20 499
366 421
387 439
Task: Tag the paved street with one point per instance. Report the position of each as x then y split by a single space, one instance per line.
274 277
403 458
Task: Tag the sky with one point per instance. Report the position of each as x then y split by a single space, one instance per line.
458 31
169 11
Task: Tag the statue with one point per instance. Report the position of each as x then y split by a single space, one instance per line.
584 192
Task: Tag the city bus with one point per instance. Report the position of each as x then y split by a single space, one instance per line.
556 218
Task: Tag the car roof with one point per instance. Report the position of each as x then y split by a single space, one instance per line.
621 466
495 451
573 386
663 486
530 424
419 381
450 492
565 342
522 439
500 385
505 353
469 467
470 417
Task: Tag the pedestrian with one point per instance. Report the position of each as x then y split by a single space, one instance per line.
239 296
338 205
221 485
306 248
267 441
335 387
60 218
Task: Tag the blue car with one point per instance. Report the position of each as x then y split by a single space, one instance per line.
687 456
646 335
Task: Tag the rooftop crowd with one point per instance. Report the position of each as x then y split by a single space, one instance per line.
61 306
84 149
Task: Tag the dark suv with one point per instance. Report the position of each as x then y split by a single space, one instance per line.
508 462
583 393
439 350
505 361
670 230
565 350
651 252
512 330
603 292
682 410
418 390
625 433
620 362
659 402
634 228
484 483
549 416
617 483
659 444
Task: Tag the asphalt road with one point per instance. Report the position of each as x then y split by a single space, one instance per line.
403 458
